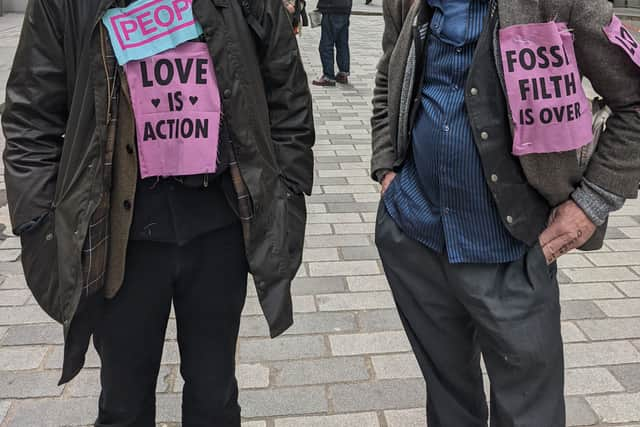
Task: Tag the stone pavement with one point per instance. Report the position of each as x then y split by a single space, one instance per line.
346 362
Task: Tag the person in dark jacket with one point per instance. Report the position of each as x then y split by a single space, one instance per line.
133 193
336 16
483 190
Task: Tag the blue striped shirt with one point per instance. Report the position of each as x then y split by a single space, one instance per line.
440 197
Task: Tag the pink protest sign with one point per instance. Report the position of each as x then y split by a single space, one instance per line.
620 36
551 112
176 103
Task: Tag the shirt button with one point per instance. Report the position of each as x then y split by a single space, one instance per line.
484 136
445 128
127 204
227 93
474 91
458 50
455 87
447 211
129 149
509 220
494 178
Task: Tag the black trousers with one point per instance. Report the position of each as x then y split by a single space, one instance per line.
453 313
207 281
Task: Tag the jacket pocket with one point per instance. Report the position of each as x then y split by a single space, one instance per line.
539 273
292 230
40 263
296 224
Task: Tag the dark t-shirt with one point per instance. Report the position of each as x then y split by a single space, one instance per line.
166 210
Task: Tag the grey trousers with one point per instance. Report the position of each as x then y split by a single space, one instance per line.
453 313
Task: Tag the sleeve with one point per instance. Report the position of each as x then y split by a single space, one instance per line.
35 115
382 147
597 203
289 99
615 166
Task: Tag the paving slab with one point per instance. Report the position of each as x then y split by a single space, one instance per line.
54 412
369 343
5 405
406 417
29 384
284 401
579 413
369 419
396 366
591 381
381 395
628 376
619 408
320 371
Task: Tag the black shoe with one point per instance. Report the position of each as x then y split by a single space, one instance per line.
342 78
324 81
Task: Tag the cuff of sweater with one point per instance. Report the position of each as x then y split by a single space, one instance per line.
379 174
596 202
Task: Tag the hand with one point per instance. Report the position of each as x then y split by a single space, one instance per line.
291 8
569 228
386 181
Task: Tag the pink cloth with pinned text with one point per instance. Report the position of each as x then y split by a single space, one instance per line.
550 111
177 109
619 35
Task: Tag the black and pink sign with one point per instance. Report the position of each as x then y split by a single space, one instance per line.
550 110
620 36
177 108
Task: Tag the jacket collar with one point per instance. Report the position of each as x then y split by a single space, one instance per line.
102 8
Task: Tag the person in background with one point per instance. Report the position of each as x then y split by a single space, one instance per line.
483 190
297 13
334 42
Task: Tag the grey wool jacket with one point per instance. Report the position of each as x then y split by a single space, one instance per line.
608 176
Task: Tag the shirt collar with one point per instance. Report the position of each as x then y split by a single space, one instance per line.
451 20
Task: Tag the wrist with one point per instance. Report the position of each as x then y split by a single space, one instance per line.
596 202
382 174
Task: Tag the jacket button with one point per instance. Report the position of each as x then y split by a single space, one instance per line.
484 136
509 220
127 204
494 178
226 94
129 149
474 91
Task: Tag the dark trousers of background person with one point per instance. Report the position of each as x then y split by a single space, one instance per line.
452 313
207 281
335 35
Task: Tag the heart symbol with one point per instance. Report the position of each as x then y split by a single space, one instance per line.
155 102
193 99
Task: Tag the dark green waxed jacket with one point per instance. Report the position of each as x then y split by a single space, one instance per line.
55 125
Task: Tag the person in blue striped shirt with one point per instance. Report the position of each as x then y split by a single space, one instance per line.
461 230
